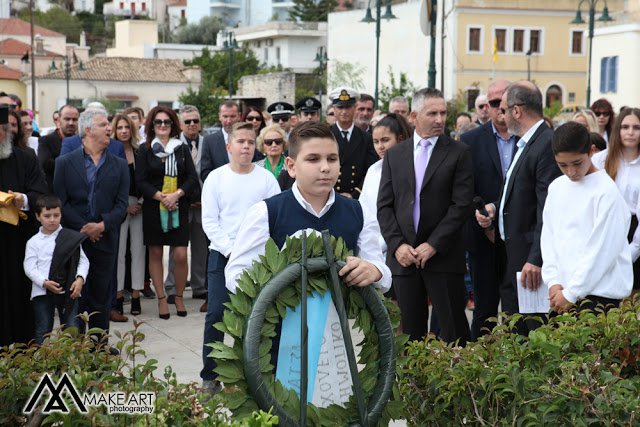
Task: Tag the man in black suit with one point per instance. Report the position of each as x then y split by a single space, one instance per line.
522 198
425 198
492 149
355 145
49 146
214 147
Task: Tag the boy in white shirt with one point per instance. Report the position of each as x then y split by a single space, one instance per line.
585 255
56 264
228 192
312 204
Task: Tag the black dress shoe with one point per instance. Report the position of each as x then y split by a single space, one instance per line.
201 296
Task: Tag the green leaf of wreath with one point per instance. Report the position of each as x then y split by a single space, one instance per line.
229 359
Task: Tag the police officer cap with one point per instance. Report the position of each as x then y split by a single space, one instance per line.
343 96
309 105
280 109
4 114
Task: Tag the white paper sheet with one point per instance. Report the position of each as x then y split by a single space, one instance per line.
533 301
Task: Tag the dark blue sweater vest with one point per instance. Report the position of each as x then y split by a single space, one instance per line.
286 216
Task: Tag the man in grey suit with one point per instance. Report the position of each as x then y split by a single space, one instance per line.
190 123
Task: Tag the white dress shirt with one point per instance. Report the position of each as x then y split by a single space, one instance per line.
37 261
369 197
520 144
254 233
226 196
417 147
628 182
584 238
349 131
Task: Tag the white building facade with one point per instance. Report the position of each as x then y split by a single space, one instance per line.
290 45
239 12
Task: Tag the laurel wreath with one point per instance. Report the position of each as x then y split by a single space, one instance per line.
238 398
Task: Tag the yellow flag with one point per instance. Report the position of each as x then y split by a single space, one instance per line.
495 49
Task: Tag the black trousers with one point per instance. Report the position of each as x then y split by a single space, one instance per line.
486 293
96 293
447 294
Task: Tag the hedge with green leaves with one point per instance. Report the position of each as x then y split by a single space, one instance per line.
91 371
230 359
579 370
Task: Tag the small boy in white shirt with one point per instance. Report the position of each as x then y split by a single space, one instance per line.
57 266
228 192
585 255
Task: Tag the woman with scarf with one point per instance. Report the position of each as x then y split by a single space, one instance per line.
166 177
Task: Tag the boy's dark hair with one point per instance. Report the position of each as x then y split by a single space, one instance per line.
305 131
47 201
598 141
571 137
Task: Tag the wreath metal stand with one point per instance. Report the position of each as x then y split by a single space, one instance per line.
369 414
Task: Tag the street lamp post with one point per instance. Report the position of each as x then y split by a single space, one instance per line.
529 65
229 45
67 69
368 19
578 20
321 58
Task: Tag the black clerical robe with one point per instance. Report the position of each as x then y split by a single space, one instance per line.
19 173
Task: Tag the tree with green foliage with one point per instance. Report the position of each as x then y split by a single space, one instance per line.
215 79
204 32
215 67
207 100
311 10
345 74
403 87
56 19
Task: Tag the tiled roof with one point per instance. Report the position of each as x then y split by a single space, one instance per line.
173 3
7 73
18 27
125 70
14 47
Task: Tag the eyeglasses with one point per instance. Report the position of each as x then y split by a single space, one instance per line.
494 103
253 119
331 114
278 141
188 122
483 106
159 122
509 107
284 119
601 113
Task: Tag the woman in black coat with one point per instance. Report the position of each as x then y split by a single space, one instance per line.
166 176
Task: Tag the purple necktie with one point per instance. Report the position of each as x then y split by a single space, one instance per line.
420 167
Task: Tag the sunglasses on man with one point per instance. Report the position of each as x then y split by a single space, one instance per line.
494 103
194 121
482 106
284 119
